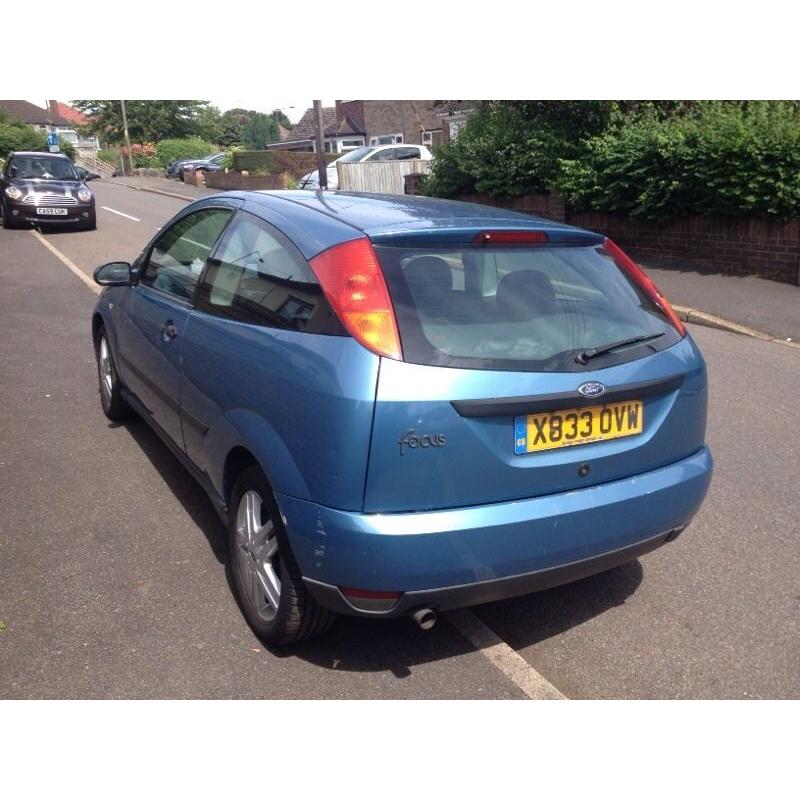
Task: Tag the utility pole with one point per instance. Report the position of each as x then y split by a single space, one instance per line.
127 138
322 169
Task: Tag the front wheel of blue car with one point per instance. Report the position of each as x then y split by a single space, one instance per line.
111 399
266 577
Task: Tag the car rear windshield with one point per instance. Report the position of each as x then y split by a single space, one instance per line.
509 308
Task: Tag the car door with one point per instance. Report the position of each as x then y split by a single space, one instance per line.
155 311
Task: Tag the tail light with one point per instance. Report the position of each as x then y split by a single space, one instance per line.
351 278
646 284
368 600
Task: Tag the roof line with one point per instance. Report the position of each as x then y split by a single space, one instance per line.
329 214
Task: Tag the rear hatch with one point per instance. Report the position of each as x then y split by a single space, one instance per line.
531 365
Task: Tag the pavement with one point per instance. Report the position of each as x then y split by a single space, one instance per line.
112 574
164 186
765 305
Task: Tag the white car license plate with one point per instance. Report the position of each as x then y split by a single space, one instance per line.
52 212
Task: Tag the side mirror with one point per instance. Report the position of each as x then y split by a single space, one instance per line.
115 273
90 176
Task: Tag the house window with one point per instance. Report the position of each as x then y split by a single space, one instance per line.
427 137
389 138
343 145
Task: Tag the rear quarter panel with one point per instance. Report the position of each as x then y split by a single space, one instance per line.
301 403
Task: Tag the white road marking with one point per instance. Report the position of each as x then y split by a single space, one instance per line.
69 264
507 660
121 214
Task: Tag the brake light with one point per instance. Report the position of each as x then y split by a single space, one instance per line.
511 237
368 600
646 284
351 278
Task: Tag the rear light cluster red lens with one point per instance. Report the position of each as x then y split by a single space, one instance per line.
368 594
511 237
646 284
351 278
368 600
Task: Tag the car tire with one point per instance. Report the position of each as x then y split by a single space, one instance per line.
265 575
91 223
110 386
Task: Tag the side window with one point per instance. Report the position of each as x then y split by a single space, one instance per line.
404 153
383 155
259 277
178 257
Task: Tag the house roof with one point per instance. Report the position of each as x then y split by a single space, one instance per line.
447 108
70 114
348 126
306 127
31 114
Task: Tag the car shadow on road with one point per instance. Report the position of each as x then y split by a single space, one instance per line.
366 646
181 484
397 646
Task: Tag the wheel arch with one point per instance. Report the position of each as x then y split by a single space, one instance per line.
97 323
237 461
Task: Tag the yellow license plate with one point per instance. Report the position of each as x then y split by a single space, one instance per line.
535 432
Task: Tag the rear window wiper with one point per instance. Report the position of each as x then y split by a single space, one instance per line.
587 355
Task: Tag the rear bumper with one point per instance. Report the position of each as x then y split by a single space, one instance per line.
473 594
465 556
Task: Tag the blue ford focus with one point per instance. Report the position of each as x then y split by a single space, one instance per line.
401 405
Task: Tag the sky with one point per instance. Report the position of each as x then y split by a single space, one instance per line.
256 104
294 109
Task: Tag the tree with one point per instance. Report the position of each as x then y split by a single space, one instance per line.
250 129
209 125
281 118
148 120
16 135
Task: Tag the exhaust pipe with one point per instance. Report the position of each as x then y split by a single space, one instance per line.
425 618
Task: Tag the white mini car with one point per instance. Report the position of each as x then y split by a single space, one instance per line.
383 152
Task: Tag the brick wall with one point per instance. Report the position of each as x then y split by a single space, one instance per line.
235 180
745 245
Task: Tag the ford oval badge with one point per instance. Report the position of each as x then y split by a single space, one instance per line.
592 389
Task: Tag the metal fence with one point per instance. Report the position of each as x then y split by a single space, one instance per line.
382 177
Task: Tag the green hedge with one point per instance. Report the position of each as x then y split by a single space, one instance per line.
720 159
652 160
169 149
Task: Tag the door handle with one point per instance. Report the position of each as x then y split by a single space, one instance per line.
169 331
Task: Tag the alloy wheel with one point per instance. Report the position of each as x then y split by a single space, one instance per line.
106 369
257 555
